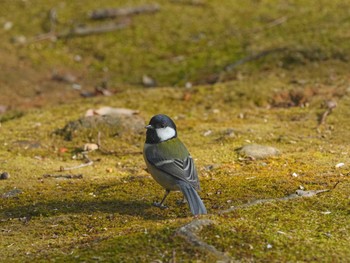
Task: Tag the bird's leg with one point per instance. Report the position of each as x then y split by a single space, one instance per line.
160 205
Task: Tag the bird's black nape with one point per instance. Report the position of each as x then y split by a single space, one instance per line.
157 122
162 121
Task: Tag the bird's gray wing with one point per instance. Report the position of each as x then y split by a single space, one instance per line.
183 169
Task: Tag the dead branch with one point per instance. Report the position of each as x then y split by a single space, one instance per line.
189 233
190 2
87 163
52 19
126 11
80 31
331 105
276 22
64 176
257 56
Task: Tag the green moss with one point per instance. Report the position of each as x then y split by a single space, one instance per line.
107 214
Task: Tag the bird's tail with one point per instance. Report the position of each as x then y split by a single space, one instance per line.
194 201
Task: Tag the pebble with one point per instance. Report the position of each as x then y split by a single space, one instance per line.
256 151
338 165
4 176
89 147
8 25
207 133
148 82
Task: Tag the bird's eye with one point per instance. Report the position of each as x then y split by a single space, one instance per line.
162 125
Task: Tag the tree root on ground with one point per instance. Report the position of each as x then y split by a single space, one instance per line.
189 231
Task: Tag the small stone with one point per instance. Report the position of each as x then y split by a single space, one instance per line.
109 170
241 115
188 85
295 175
65 77
3 109
338 165
4 176
77 58
331 104
148 82
89 147
256 151
8 25
269 246
326 212
19 40
76 86
207 133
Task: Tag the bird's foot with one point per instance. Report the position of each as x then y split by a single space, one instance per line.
160 205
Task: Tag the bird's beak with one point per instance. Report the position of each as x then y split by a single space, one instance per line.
149 127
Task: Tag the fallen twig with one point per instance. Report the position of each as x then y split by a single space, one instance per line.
259 55
126 11
88 163
189 233
276 22
64 176
331 105
190 2
80 31
52 19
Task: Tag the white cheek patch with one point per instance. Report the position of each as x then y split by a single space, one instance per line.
165 133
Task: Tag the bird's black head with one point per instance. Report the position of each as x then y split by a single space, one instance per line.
160 128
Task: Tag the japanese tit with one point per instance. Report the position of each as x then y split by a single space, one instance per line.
170 163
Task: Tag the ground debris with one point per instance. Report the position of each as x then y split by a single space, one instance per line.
4 176
124 11
190 2
64 77
112 124
110 111
330 105
148 81
298 193
88 162
25 144
189 233
12 193
300 97
64 176
256 151
256 56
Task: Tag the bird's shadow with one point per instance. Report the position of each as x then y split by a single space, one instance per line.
58 207
129 203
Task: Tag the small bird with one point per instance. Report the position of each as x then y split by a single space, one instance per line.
170 163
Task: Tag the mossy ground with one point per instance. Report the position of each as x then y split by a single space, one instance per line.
107 215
